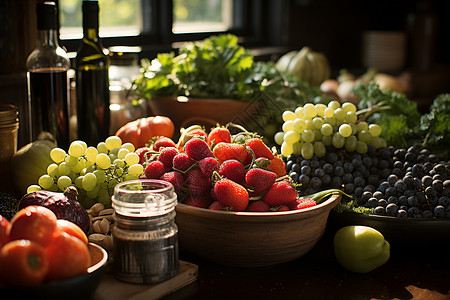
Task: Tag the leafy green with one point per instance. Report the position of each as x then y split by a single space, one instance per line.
352 206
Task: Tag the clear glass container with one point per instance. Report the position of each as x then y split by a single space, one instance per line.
145 236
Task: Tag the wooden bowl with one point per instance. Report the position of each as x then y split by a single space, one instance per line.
250 239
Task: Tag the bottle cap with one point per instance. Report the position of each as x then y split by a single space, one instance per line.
46 15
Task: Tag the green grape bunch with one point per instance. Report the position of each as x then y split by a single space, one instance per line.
311 128
94 171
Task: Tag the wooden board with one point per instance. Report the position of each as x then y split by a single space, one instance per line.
111 288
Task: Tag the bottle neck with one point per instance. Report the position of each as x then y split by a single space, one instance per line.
90 20
47 38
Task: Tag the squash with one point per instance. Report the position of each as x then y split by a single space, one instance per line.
307 65
30 162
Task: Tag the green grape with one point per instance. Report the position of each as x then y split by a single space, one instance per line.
349 107
378 142
308 136
299 125
340 114
118 171
307 150
101 176
63 169
78 182
279 137
113 142
320 108
73 176
91 169
365 136
57 155
309 124
299 112
334 104
122 152
338 140
331 121
326 129
53 188
71 161
129 146
89 182
119 162
135 169
104 197
375 129
309 111
354 130
291 137
101 148
64 182
297 147
351 117
76 149
317 122
288 125
33 188
45 181
345 130
93 193
91 154
317 135
103 161
286 149
361 126
319 149
79 166
361 147
53 170
128 177
131 158
327 140
328 112
288 116
350 143
112 156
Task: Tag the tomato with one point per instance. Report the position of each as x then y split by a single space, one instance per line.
35 223
23 263
72 229
141 131
4 223
68 256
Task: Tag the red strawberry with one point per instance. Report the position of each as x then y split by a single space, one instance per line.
155 169
203 201
278 166
163 142
224 151
259 148
182 162
282 208
208 165
197 149
197 183
141 152
215 205
166 156
217 135
280 193
231 194
197 132
261 180
302 203
258 206
233 169
175 178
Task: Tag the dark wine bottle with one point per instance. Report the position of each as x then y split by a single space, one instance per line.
47 80
92 80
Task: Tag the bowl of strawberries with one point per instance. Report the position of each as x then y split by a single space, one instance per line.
236 204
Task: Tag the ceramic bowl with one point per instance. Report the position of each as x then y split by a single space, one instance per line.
79 287
251 239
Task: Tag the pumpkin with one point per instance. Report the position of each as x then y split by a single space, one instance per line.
29 163
307 65
141 131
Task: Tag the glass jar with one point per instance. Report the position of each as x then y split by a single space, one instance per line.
9 125
145 236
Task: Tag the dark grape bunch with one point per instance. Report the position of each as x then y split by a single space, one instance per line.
391 182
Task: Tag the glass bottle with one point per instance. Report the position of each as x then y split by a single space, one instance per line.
47 80
92 80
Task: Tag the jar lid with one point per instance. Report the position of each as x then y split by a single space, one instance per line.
8 115
144 198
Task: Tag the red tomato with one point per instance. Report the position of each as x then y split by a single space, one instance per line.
35 223
23 263
68 257
4 223
72 229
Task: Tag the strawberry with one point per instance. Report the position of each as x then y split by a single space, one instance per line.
278 166
141 152
162 142
217 135
166 156
260 180
280 193
197 183
302 203
197 149
175 178
231 194
233 169
258 206
202 201
259 148
197 132
224 151
208 165
281 208
215 205
154 170
181 162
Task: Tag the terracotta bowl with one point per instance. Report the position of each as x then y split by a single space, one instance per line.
249 239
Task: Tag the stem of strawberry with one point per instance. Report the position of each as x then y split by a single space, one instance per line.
320 196
182 138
